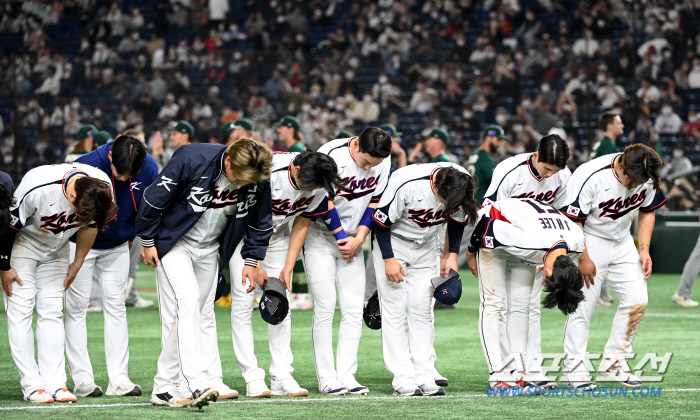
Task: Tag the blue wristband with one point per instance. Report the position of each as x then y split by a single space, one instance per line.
340 235
332 220
367 218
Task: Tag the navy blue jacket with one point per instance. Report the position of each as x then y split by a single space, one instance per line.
127 194
176 200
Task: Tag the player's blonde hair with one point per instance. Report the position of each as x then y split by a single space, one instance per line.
250 161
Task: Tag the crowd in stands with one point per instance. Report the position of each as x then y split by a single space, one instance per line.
531 66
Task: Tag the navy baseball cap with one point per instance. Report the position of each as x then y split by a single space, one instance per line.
372 313
274 305
447 289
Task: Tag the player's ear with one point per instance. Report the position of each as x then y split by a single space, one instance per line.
110 156
548 272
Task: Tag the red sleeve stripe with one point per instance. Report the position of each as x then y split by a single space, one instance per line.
314 214
653 208
458 222
14 228
375 219
577 218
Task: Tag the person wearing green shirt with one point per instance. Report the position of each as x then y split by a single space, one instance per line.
482 162
82 146
289 133
236 130
435 146
612 127
398 155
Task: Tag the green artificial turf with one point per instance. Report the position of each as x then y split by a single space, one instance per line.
665 328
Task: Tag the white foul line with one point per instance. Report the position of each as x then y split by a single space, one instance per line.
270 401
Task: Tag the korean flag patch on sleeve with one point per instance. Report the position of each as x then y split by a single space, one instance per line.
488 241
380 216
573 211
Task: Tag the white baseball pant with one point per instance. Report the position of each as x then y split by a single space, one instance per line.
42 274
327 274
533 357
503 278
617 264
185 281
408 351
110 267
279 336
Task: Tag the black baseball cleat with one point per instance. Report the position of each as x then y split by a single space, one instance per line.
443 382
546 384
203 397
167 399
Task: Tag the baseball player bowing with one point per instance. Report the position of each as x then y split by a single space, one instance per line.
50 204
201 205
334 262
126 162
417 201
301 184
606 193
541 176
512 237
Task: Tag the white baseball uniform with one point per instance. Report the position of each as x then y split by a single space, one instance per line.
596 196
410 208
327 273
44 222
518 237
192 265
517 177
288 201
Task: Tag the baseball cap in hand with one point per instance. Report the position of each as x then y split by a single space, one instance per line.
184 127
448 289
242 124
391 130
494 130
439 133
86 131
289 121
274 305
372 313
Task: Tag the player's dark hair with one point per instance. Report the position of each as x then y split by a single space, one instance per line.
128 155
641 163
5 204
554 151
565 286
93 202
375 142
605 119
318 170
457 189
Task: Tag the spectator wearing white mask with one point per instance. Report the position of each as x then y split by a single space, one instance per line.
609 93
668 122
367 109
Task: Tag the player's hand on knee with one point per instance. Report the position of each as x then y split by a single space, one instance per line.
149 255
286 277
588 271
348 248
8 277
394 272
72 273
250 274
645 259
